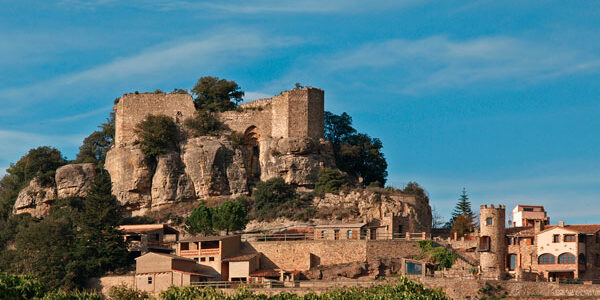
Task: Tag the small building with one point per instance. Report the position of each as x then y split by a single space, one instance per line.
144 238
242 266
348 231
210 252
388 227
527 215
155 272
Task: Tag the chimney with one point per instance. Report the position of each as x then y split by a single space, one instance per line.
561 223
538 226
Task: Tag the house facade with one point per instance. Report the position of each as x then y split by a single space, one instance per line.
144 238
157 271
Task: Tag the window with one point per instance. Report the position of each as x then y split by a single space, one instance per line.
556 238
400 229
527 208
566 258
185 246
202 258
211 258
149 280
336 234
511 262
546 258
484 243
349 234
489 221
195 259
323 234
569 238
582 258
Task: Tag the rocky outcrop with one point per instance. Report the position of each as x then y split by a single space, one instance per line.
376 203
296 160
74 180
35 199
131 176
214 167
170 183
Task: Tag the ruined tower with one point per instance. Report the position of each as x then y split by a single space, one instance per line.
492 241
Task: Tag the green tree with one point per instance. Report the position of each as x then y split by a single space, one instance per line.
217 95
157 135
463 207
330 181
179 91
97 144
200 220
230 216
40 162
203 123
357 154
270 195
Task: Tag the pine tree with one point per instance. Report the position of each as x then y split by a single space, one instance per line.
463 207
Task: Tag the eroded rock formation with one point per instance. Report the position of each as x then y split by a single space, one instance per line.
74 180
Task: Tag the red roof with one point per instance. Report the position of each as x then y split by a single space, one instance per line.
243 257
581 228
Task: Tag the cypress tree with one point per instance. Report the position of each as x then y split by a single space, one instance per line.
463 207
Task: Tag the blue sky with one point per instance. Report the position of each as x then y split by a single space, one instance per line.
499 97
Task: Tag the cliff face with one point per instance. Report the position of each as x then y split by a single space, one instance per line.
70 181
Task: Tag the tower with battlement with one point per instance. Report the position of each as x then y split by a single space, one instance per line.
492 241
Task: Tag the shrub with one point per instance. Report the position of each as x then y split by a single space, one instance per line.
441 255
238 139
124 292
157 135
20 287
77 295
269 196
330 181
203 123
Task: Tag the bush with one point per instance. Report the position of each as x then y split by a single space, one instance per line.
330 181
203 123
157 135
62 295
441 255
238 139
20 287
269 196
124 292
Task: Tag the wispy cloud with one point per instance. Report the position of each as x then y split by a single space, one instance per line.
71 118
439 63
152 65
254 7
13 143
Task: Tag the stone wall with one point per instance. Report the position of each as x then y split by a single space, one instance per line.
302 255
133 108
103 284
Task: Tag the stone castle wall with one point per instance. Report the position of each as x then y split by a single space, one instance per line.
133 108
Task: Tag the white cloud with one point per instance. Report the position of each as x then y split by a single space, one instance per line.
253 7
249 96
14 144
434 63
227 45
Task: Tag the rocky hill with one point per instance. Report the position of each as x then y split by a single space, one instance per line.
281 136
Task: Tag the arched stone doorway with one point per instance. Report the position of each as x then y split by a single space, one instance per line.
252 137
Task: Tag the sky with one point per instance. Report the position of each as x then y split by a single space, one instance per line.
498 97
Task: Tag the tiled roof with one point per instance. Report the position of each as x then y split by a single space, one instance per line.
140 228
581 228
243 257
520 231
169 255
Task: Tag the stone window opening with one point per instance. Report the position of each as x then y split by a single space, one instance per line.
484 244
582 258
556 238
349 234
149 279
185 246
252 147
336 234
489 221
323 234
211 258
511 262
569 238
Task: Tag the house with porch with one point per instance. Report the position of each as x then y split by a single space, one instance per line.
144 238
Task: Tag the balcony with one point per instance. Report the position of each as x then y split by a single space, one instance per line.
189 253
205 252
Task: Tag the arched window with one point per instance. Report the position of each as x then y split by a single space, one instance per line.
546 258
581 258
566 258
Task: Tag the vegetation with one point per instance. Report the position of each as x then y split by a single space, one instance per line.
230 216
203 123
403 289
97 144
157 135
40 163
462 208
77 240
269 196
330 181
124 292
238 139
444 257
357 154
216 95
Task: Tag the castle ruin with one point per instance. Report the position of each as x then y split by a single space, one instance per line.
283 138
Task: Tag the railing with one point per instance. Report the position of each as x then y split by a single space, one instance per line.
272 237
236 284
189 253
215 251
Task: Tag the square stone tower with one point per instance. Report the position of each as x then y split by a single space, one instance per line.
298 113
